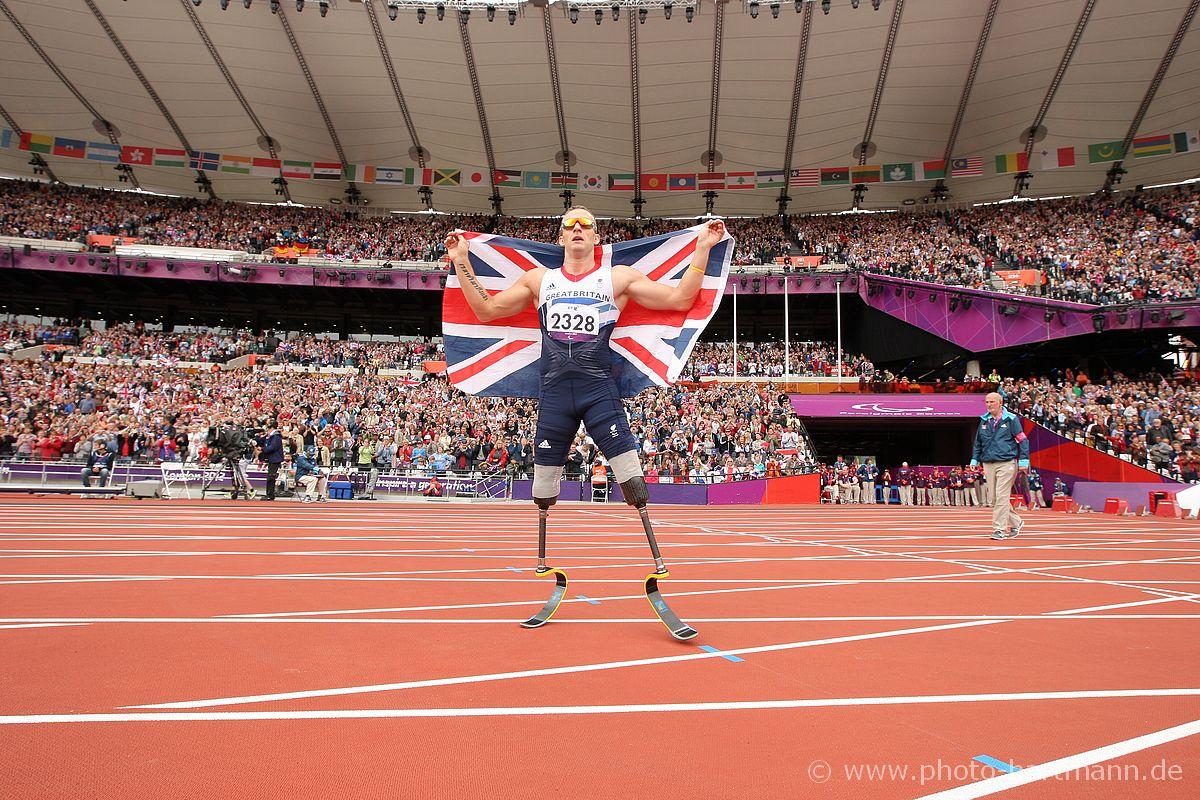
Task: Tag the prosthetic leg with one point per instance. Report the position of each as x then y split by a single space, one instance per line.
628 472
545 494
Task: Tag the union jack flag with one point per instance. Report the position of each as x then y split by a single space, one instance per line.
650 348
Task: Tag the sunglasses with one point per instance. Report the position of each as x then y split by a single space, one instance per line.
584 222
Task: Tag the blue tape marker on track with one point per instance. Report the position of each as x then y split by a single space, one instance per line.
514 569
709 648
588 600
996 763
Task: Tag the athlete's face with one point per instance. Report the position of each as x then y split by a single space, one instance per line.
578 232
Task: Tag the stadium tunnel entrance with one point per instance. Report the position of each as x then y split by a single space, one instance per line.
890 442
927 429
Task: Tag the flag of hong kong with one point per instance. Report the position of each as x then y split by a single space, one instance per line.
136 155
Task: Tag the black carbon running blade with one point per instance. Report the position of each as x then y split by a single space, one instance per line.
556 597
678 628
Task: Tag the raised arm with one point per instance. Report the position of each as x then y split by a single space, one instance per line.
659 297
486 306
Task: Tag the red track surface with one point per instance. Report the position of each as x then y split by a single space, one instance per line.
372 651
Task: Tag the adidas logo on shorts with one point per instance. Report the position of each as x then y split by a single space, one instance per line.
543 445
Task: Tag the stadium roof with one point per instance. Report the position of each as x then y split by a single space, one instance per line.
177 74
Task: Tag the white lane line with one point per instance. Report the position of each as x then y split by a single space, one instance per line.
637 708
1049 769
44 625
911 579
1127 605
606 665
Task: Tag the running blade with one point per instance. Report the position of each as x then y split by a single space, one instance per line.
556 597
678 628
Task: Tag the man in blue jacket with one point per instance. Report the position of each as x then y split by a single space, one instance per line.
1003 449
271 452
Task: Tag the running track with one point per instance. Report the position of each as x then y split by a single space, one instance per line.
371 650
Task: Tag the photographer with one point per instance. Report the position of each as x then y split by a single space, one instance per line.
309 475
271 451
99 465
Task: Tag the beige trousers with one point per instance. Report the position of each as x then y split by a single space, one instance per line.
1000 476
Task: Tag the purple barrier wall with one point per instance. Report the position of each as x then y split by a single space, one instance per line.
1094 493
978 320
739 493
973 319
252 273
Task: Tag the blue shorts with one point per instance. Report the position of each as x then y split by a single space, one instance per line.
566 403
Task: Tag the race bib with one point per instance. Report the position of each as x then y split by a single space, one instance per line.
575 319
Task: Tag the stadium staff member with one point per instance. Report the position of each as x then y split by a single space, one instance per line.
1003 449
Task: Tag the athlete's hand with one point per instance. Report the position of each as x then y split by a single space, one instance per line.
456 247
711 233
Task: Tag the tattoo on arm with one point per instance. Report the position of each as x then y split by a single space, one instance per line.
471 279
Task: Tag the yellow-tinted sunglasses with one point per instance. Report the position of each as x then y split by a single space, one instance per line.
571 222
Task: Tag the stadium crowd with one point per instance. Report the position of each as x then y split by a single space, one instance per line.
1151 420
1102 249
1106 248
53 411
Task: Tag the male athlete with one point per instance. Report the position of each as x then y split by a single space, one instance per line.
578 307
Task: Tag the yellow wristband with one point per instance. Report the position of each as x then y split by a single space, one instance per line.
694 268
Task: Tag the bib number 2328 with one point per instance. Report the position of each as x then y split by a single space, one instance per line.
573 319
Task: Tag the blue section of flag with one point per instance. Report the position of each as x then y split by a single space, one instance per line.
209 162
103 151
6 138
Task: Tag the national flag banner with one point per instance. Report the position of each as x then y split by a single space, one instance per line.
650 348
740 180
681 182
1058 158
1011 162
768 179
266 167
1187 141
69 148
835 176
620 182
708 181
133 154
931 170
208 162
805 176
36 143
535 180
475 177
402 176
868 173
170 157
1161 145
107 152
653 182
593 183
509 178
898 173
1106 151
6 138
235 164
444 176
564 180
327 170
353 173
966 167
